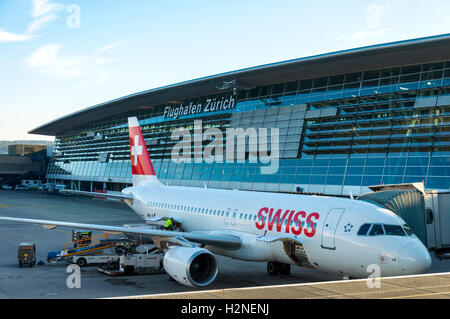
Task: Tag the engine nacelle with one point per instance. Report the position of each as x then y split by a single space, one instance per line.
194 267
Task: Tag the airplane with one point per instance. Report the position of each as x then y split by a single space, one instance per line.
331 234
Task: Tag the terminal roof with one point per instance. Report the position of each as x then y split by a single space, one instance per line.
408 52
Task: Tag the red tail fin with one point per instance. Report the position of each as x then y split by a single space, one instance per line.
141 165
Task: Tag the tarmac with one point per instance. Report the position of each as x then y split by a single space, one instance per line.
49 280
435 286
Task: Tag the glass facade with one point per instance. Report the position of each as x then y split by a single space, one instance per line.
337 134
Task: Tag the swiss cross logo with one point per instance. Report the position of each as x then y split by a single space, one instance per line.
136 149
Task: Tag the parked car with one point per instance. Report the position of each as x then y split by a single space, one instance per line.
52 188
7 187
21 188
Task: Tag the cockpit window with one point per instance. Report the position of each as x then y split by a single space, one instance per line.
394 230
384 229
376 230
408 230
363 229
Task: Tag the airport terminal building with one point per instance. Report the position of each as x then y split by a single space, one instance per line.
346 120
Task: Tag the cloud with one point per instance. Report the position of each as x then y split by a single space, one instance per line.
37 24
44 7
111 46
50 59
45 55
42 12
13 37
368 33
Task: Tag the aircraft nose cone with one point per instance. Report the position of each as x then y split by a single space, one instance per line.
414 259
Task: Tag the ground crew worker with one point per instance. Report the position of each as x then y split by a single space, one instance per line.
168 225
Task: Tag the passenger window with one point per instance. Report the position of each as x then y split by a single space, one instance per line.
394 230
363 230
376 230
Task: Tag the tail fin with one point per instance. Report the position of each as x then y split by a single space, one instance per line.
141 165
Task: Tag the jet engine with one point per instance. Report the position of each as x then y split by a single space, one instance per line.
191 266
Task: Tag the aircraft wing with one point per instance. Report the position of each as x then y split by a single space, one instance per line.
95 194
218 240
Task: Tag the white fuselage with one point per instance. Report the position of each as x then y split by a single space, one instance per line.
326 227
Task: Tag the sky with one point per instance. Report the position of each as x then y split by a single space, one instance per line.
58 57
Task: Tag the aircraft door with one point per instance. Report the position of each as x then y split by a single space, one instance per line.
329 227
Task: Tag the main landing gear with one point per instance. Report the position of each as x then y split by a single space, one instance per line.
275 268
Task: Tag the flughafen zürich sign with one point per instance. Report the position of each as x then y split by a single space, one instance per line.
209 105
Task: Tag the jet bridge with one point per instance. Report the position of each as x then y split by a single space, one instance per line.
406 200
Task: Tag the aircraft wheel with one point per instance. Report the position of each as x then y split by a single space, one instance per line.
273 268
81 262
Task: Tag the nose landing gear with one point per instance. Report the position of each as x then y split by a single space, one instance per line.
275 268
